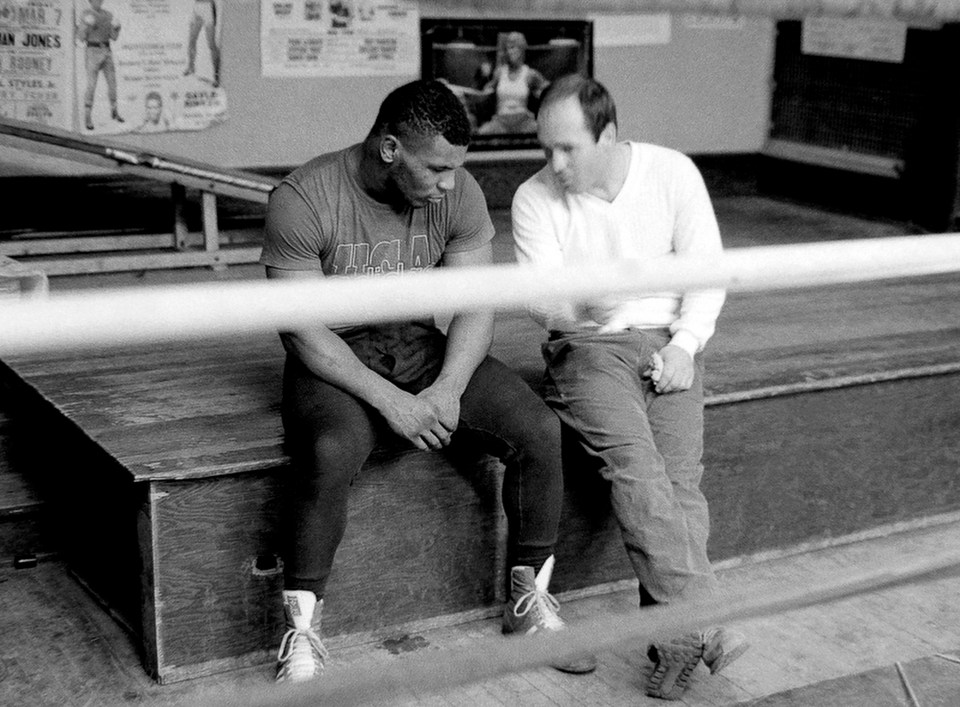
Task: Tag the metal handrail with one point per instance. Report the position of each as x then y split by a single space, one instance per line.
165 166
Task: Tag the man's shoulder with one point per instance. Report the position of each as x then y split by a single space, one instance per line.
539 186
664 158
661 152
319 167
466 202
467 194
464 177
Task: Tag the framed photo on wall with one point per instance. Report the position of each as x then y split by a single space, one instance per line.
499 69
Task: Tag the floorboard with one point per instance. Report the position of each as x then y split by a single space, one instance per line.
58 648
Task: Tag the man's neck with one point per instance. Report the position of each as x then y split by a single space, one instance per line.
613 179
372 176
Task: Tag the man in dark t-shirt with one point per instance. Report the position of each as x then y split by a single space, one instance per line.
399 202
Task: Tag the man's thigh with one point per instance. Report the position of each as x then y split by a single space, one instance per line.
499 402
594 382
676 420
94 58
314 411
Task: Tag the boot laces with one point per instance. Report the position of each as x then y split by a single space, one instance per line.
302 653
544 606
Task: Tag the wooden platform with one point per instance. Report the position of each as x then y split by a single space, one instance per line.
830 413
24 527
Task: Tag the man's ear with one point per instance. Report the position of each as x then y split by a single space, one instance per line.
389 147
608 136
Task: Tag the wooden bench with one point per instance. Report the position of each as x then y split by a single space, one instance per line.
830 412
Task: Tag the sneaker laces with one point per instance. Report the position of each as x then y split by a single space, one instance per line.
547 607
544 604
301 658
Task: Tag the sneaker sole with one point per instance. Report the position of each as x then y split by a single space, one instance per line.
727 657
674 663
577 665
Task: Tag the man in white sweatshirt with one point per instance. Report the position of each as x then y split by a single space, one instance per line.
626 373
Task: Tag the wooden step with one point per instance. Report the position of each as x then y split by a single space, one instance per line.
25 529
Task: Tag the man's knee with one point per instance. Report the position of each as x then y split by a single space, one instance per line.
547 425
333 456
538 432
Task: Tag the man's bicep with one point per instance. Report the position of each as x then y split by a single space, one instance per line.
695 228
303 338
469 225
274 273
534 238
467 258
292 233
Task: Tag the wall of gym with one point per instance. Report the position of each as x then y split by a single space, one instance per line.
706 91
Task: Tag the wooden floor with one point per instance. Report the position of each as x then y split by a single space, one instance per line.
58 648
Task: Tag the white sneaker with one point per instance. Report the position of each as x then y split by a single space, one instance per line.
302 655
531 608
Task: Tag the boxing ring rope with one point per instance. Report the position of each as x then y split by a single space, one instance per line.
912 11
133 316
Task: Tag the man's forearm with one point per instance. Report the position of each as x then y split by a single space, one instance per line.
426 420
698 316
328 357
468 341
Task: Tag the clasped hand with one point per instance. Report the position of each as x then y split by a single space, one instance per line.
677 372
426 419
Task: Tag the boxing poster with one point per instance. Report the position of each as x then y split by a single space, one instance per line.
855 38
36 61
148 66
339 37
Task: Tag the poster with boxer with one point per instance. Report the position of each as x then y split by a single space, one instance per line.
148 66
36 61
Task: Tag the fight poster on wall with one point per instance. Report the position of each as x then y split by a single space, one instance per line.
339 37
36 61
148 66
866 38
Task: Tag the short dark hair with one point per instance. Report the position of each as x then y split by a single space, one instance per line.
153 96
425 108
599 110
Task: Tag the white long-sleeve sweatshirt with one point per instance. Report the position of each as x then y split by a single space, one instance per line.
662 209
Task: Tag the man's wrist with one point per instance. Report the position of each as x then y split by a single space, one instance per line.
449 386
683 339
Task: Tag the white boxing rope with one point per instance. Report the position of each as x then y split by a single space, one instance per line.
127 316
417 675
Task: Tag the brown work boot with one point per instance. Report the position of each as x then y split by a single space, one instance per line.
673 664
722 646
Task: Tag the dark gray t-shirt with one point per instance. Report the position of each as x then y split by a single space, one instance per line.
319 218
